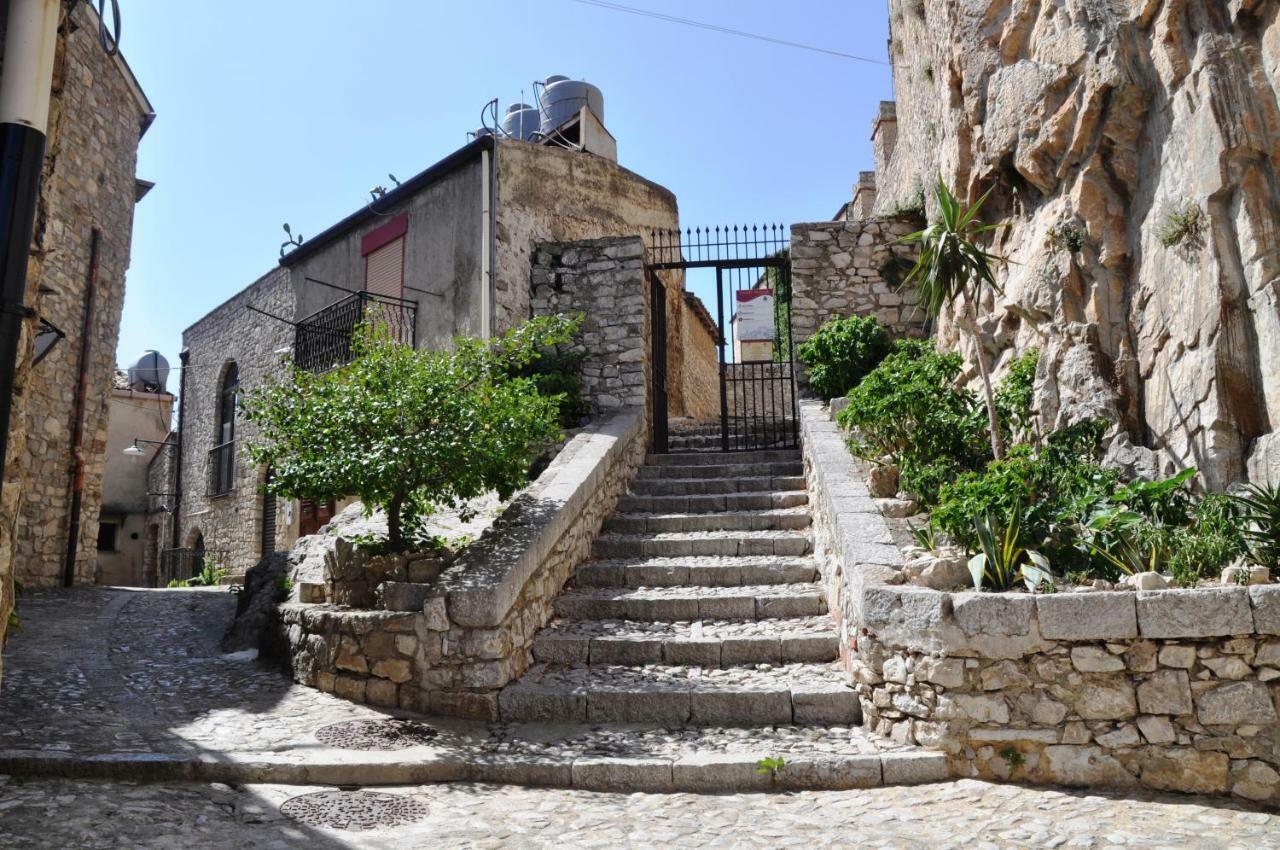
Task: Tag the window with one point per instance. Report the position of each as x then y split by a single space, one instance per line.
222 458
383 252
107 536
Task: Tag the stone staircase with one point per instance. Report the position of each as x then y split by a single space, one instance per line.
700 607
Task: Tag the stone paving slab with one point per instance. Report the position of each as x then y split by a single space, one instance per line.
963 815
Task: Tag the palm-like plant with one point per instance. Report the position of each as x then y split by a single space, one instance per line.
951 265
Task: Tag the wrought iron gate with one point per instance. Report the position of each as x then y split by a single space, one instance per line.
752 310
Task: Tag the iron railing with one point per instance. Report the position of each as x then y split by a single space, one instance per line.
323 339
724 246
179 565
222 468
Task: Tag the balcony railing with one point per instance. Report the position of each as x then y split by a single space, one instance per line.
222 468
179 565
323 339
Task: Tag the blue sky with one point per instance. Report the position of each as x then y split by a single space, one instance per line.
273 111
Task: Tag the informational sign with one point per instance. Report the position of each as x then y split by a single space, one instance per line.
753 319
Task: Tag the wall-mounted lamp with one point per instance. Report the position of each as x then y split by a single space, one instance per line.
136 451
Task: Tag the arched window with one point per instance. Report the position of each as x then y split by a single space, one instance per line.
222 459
227 405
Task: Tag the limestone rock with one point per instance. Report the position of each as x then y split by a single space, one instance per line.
1166 692
882 481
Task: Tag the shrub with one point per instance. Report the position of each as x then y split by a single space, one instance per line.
407 430
842 352
910 409
1260 520
1004 557
1049 489
1181 225
557 373
1015 397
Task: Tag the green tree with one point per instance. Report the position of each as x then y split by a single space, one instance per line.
409 431
952 266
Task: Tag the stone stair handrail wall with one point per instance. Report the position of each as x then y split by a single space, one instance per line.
470 631
1172 690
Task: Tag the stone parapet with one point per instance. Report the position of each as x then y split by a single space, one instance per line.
470 630
1172 690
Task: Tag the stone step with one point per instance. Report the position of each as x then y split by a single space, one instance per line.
782 519
703 572
763 500
711 459
716 486
805 694
705 643
723 543
745 602
722 469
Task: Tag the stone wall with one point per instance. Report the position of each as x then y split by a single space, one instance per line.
1171 690
839 269
546 194
700 365
97 116
470 631
231 523
1095 124
604 280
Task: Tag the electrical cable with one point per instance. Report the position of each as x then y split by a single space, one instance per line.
110 40
688 22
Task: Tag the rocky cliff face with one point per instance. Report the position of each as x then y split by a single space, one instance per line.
1134 147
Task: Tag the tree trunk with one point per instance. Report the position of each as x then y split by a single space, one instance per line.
395 539
993 418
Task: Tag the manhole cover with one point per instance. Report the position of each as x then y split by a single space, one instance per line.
354 809
376 734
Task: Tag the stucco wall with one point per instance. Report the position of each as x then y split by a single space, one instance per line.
547 194
132 415
700 367
96 119
442 257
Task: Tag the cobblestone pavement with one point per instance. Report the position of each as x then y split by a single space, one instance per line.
99 670
965 814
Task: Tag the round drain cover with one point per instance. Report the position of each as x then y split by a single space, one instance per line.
376 734
354 809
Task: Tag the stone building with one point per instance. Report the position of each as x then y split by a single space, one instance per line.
88 190
1132 149
128 530
447 253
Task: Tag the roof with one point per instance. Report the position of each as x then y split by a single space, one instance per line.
426 177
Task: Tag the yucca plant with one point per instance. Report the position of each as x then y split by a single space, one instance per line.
951 265
1260 506
1004 559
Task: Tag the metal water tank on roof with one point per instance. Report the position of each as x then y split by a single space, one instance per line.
149 373
521 121
563 98
481 132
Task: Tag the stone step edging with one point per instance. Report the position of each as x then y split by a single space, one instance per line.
696 772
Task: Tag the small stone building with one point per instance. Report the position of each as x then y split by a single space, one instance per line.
449 252
98 114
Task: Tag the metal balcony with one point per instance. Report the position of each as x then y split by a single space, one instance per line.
323 339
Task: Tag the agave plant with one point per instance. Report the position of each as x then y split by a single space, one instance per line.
1260 506
951 265
1004 559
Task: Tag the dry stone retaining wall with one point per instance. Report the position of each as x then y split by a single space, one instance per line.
1172 690
468 632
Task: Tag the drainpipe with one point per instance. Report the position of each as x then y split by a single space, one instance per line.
29 46
176 529
486 261
77 414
